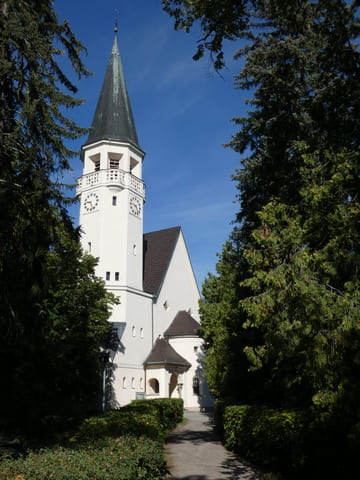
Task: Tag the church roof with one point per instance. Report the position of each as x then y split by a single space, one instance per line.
113 119
182 325
163 353
158 249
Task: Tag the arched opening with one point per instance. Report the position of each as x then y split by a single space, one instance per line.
154 385
172 384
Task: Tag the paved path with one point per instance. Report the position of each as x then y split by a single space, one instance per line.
195 452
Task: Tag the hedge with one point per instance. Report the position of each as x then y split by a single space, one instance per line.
151 418
123 444
122 458
268 437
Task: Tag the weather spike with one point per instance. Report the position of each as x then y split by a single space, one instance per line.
116 20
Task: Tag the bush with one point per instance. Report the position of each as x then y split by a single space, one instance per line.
121 422
150 418
123 458
269 437
219 410
170 411
122 444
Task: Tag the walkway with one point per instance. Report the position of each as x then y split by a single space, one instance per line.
195 452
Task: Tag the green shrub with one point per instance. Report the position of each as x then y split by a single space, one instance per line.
219 410
121 422
150 418
269 437
122 444
168 410
123 458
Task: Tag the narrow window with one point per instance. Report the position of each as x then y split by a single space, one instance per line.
141 383
141 333
133 382
133 331
107 275
116 276
114 199
124 382
166 305
134 250
89 247
114 163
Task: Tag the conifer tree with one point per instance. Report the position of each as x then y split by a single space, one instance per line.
38 242
302 66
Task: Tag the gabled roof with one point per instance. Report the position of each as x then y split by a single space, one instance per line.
163 353
182 325
158 249
113 119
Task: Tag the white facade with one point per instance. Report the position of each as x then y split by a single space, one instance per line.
179 290
112 196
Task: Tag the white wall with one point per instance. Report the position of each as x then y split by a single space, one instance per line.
179 290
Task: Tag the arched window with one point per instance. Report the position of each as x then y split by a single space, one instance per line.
154 385
196 385
133 382
124 382
133 331
141 383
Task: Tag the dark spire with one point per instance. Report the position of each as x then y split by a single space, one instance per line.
113 119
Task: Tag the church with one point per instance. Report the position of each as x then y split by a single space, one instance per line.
158 350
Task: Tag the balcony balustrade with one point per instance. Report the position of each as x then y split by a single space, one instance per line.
111 176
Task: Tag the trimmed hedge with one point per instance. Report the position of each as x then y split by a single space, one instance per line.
301 443
123 458
123 444
151 418
170 411
268 437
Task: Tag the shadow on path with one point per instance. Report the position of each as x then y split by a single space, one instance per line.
195 452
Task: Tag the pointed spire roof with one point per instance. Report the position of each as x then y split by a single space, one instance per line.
113 119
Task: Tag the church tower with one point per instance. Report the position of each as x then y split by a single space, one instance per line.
151 275
111 189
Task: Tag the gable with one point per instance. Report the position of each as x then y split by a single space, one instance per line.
183 325
158 250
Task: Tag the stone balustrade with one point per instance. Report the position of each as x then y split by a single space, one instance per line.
111 176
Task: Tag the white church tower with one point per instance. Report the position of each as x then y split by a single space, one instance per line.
112 190
112 195
159 352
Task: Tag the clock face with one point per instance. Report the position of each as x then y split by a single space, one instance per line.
91 202
135 206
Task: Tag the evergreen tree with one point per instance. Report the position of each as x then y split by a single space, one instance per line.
302 66
39 251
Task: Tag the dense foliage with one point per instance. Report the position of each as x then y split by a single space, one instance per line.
122 444
52 309
152 418
123 458
280 317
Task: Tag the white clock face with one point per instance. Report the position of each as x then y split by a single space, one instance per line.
135 206
91 202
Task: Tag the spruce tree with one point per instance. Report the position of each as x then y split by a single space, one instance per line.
302 69
38 243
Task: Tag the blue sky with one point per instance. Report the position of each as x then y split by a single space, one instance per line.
182 110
